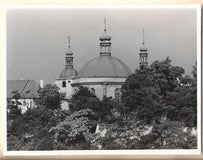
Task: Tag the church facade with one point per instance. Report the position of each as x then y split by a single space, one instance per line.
103 75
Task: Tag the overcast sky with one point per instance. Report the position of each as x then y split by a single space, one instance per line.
37 38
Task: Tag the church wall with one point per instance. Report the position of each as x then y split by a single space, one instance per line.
111 90
99 90
68 90
98 79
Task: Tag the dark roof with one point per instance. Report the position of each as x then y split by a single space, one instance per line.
68 73
27 89
105 66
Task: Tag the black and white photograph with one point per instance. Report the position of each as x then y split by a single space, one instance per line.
103 79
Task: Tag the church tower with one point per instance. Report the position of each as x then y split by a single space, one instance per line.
143 53
66 76
105 44
69 56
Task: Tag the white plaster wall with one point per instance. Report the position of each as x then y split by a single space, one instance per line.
98 79
99 90
111 90
68 90
26 104
64 105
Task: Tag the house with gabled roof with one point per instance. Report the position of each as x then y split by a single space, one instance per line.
23 92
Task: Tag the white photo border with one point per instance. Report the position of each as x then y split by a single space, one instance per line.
104 152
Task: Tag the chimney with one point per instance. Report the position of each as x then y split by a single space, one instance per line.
41 83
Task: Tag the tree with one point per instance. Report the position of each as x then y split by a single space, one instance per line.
182 102
32 129
140 95
166 75
13 109
84 99
75 130
49 97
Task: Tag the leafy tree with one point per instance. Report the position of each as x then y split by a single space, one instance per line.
140 95
13 109
49 97
35 122
84 99
75 130
166 75
182 102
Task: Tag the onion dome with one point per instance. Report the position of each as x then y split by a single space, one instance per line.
105 37
68 73
105 66
143 48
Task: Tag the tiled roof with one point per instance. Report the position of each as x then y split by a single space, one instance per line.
27 89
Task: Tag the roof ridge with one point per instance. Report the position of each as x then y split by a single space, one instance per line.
24 86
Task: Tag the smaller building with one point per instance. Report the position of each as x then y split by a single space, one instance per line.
23 92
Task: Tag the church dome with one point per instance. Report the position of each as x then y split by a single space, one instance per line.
68 73
143 49
105 37
105 66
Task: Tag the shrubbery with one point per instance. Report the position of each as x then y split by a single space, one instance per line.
158 110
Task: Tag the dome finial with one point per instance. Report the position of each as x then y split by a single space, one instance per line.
143 42
104 24
68 41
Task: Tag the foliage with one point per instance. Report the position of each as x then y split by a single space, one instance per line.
158 111
75 129
13 109
140 94
182 104
166 75
49 97
84 99
35 122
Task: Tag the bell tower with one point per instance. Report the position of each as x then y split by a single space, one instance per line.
143 53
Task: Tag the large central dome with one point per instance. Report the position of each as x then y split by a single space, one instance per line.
105 66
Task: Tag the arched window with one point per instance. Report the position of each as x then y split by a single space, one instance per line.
92 90
64 84
117 94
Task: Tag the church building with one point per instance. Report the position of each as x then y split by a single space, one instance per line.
103 75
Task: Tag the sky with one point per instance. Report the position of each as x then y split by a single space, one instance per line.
37 39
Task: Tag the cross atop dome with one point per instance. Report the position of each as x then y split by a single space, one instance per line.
69 52
143 48
105 36
68 41
143 42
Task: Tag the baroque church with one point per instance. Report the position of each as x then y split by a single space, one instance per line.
103 75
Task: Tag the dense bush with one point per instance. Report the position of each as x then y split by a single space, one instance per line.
49 97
